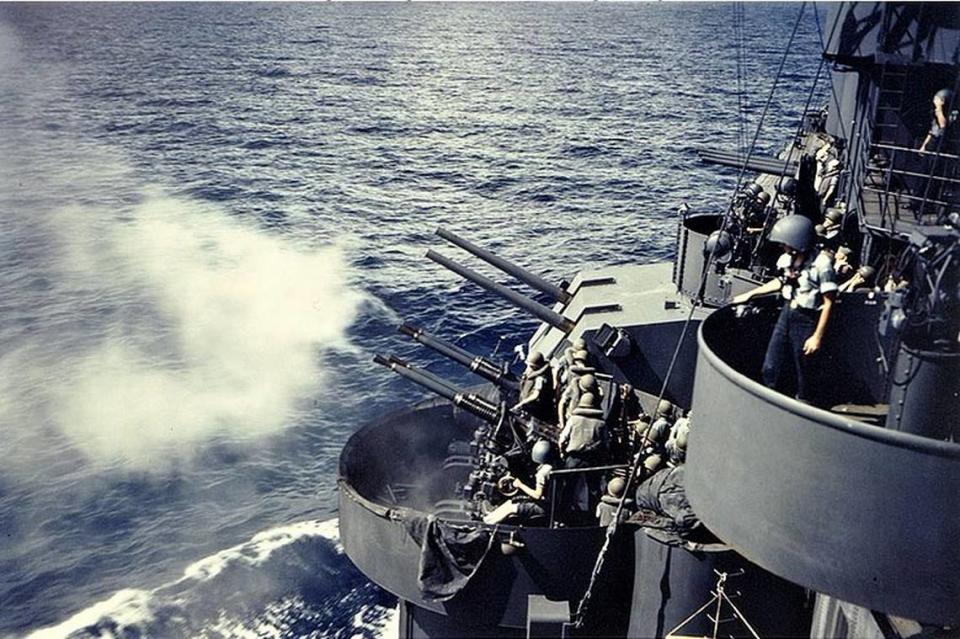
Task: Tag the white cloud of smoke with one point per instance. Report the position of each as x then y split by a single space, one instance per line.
208 328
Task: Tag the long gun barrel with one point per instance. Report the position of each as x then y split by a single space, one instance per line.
476 363
468 401
539 311
531 279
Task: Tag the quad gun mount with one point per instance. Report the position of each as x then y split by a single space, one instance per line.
496 453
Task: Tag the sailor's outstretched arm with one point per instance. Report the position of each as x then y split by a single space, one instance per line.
772 286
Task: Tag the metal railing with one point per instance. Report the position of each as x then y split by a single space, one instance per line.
924 182
571 474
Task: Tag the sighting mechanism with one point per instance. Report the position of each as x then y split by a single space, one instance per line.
925 311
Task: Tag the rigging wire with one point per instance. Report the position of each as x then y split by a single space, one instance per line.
823 46
738 18
601 557
771 210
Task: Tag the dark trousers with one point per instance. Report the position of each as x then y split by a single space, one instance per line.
785 359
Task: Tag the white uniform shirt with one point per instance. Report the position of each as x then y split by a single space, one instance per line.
805 286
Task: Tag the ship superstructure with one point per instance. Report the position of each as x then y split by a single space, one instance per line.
833 517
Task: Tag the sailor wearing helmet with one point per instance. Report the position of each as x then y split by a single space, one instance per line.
536 388
808 285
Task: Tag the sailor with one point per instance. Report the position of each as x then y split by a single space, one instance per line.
571 395
582 444
944 116
561 371
581 362
829 167
583 438
827 181
860 279
607 508
663 419
626 410
807 283
533 502
841 263
676 445
786 193
536 388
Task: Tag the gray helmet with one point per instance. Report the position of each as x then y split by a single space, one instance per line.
796 231
720 245
787 186
652 462
763 198
833 216
615 486
664 408
866 272
753 189
587 400
541 451
535 359
579 344
587 383
945 94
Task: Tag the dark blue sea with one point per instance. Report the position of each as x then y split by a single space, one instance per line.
213 215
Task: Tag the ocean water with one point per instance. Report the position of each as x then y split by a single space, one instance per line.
213 215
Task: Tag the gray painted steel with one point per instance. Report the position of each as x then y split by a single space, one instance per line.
671 583
925 393
865 514
861 31
554 562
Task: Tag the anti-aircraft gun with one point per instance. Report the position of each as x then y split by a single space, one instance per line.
925 315
497 374
501 443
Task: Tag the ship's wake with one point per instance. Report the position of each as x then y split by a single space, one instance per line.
290 581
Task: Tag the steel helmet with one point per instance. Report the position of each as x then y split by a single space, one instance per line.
866 272
652 462
753 189
833 216
541 451
615 486
945 94
535 359
720 245
763 198
795 231
579 344
587 400
664 408
587 382
787 186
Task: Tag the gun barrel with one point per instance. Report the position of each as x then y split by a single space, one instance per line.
429 382
468 401
539 311
476 363
531 279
